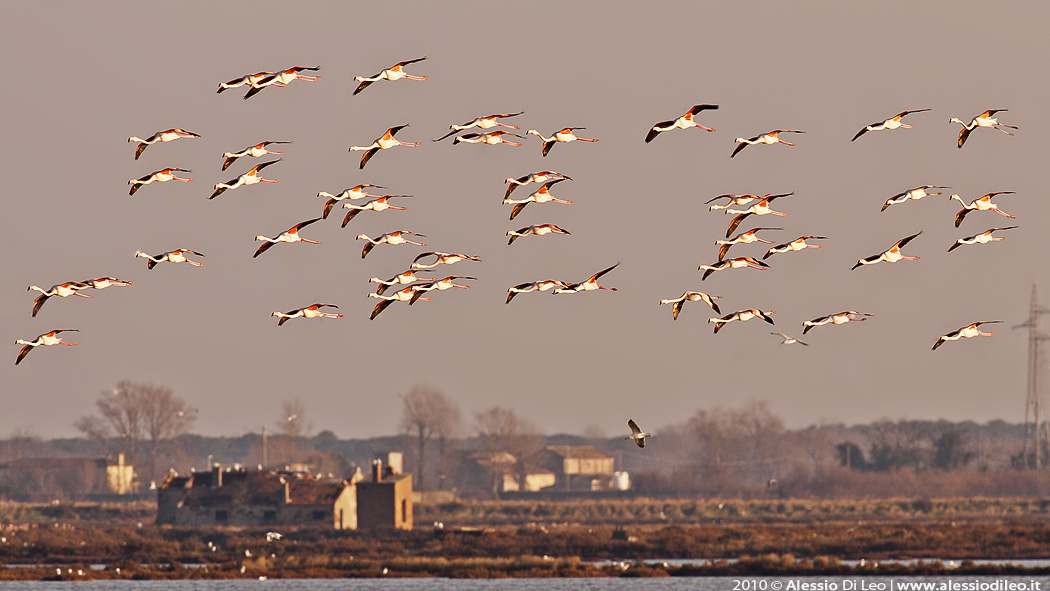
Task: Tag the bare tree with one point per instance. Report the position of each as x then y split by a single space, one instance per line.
428 413
137 413
503 430
294 426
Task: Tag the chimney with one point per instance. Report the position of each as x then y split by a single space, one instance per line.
377 470
395 460
216 475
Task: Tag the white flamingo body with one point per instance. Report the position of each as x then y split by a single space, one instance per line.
442 258
985 119
402 295
768 138
45 340
289 235
401 279
311 311
392 238
158 176
742 316
891 255
966 332
377 205
486 122
492 138
534 177
282 79
840 318
737 263
982 238
742 238
691 296
383 142
104 282
891 123
789 340
916 193
980 204
438 285
393 73
62 290
161 136
250 79
760 208
561 136
543 195
734 199
534 286
172 256
795 245
249 178
358 192
684 122
535 230
590 284
255 151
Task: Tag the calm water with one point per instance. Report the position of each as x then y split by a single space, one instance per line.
607 584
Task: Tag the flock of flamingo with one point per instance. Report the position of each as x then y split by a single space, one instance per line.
412 286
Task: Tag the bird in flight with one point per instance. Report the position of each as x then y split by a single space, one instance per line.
172 256
983 120
636 433
383 142
394 72
158 176
562 135
982 238
691 296
486 122
980 204
311 311
289 235
249 178
684 122
255 151
966 332
45 340
891 123
161 136
890 255
770 137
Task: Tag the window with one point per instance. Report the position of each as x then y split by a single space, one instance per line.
222 516
269 515
404 510
320 515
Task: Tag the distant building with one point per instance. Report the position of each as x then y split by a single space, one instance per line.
38 479
386 499
497 472
239 497
578 467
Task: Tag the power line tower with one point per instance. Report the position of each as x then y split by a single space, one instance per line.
1035 452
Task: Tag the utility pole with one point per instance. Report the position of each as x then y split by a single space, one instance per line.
266 461
1035 451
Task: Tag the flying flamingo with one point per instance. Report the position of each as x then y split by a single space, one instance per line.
443 258
765 138
172 256
534 286
383 142
378 204
737 263
891 123
486 122
760 208
840 318
249 178
250 79
691 296
289 235
982 238
45 340
255 151
402 295
563 135
491 138
159 176
980 204
892 254
400 279
161 136
62 290
311 311
916 193
395 72
796 244
743 316
392 238
437 284
358 192
742 238
534 177
983 120
966 332
684 122
282 79
540 196
104 282
590 284
536 230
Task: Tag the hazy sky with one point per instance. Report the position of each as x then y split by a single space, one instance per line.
94 74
